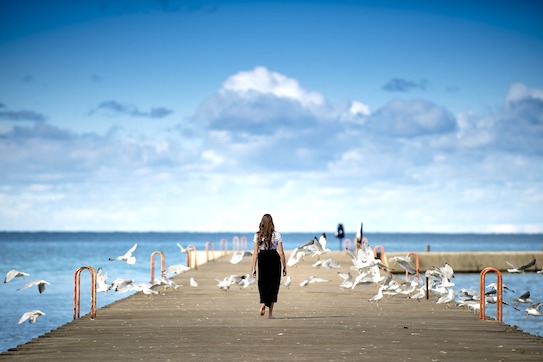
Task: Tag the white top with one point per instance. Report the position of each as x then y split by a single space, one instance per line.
276 239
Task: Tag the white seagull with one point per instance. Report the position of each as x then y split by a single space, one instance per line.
327 264
524 298
128 257
421 293
295 256
32 316
405 262
121 285
318 248
176 269
288 282
193 283
145 288
101 278
312 279
533 310
165 283
447 298
181 248
40 283
14 274
377 297
520 269
239 255
347 280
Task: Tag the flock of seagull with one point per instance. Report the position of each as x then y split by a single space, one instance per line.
119 285
366 269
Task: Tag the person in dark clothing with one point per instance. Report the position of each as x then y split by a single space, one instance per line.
340 234
268 252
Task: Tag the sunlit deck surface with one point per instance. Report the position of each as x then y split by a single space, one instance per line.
319 322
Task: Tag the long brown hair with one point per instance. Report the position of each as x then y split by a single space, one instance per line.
265 231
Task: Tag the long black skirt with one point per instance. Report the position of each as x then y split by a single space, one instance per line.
269 276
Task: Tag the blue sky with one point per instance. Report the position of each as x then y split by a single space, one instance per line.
203 115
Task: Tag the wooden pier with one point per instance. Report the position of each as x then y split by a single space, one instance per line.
320 322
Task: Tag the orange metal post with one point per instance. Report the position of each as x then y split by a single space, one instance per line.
235 243
77 292
382 249
209 243
243 242
162 264
499 293
224 243
190 250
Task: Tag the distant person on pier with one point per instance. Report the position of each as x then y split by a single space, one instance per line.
268 252
340 234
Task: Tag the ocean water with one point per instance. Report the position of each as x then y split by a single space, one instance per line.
55 256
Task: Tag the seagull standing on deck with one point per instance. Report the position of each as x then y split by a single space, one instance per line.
288 282
128 257
377 297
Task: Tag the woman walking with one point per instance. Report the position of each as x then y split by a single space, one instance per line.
268 251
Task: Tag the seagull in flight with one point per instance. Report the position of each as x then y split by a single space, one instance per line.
101 278
327 264
520 269
239 255
318 248
347 280
40 283
32 316
176 269
312 279
524 298
295 256
405 262
128 257
533 310
14 274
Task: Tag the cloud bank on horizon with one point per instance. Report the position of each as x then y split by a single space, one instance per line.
265 141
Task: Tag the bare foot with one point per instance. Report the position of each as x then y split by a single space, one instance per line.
262 310
271 317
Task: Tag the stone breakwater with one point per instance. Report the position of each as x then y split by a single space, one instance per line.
473 262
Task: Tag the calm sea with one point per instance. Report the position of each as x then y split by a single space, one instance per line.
55 256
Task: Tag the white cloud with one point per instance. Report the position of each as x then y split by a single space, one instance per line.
359 108
518 91
401 118
262 81
255 147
